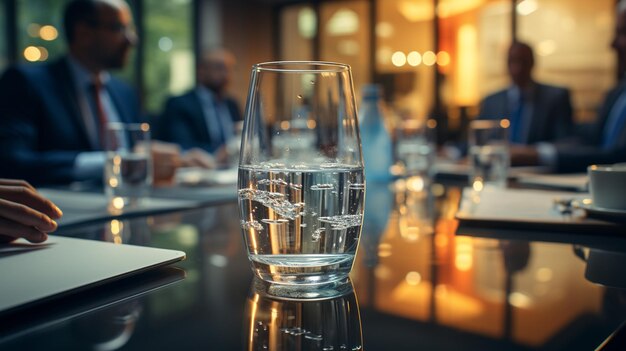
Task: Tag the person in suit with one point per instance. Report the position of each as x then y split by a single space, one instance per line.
204 117
24 213
605 140
537 112
52 116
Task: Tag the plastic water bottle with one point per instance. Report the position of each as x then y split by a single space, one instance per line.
375 140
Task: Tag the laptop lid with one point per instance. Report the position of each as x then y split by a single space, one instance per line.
32 273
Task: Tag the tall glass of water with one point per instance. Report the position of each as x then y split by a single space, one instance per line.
128 165
301 183
489 153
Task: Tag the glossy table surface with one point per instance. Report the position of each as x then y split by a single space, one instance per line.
417 284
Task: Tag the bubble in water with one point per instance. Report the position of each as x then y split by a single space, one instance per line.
275 201
342 221
314 337
251 225
312 82
322 187
357 186
279 182
275 221
317 234
295 186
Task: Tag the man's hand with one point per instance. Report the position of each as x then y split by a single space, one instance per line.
165 160
24 213
198 158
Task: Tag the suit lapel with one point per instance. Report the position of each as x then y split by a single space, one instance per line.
62 77
198 116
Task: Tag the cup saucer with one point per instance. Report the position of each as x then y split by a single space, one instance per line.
613 215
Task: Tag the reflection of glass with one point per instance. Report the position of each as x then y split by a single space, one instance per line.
274 323
301 209
488 153
415 205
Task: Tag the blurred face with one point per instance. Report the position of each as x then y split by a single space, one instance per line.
111 36
520 65
619 40
215 71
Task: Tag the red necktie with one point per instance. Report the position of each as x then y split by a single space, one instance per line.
100 112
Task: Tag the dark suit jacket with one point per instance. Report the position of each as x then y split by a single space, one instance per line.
41 128
577 158
183 121
551 115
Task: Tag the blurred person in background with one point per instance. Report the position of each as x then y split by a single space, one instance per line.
53 115
206 116
538 112
604 141
24 213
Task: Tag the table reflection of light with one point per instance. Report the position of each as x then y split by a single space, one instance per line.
464 251
118 203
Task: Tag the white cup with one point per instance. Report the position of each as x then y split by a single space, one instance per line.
607 185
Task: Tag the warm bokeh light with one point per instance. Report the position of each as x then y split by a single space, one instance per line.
429 58
413 278
118 203
384 30
443 58
466 62
477 185
526 7
48 32
505 123
414 58
398 59
32 54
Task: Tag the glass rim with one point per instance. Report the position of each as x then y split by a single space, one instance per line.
313 66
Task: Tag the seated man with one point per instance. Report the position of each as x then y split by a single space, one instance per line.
537 112
24 213
204 117
52 116
606 143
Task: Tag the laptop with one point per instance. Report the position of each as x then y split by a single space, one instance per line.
35 273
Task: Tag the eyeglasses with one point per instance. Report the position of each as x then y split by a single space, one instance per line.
115 27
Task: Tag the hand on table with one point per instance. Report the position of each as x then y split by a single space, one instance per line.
166 159
24 213
196 157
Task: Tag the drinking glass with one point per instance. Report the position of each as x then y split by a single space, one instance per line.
489 153
277 323
128 165
415 147
301 183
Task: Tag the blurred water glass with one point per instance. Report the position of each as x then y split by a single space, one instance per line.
488 153
415 147
301 183
128 164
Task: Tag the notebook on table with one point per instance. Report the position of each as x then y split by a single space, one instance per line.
36 273
529 210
